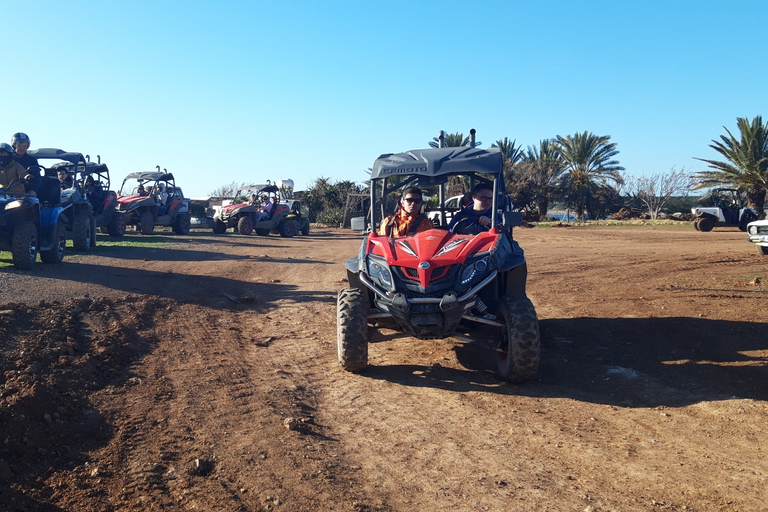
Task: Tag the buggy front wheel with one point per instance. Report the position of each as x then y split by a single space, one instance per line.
245 225
352 329
81 232
518 355
24 245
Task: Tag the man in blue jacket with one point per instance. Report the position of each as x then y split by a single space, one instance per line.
475 217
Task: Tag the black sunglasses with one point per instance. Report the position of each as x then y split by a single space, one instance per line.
416 200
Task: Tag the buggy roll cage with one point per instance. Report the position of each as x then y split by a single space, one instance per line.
432 167
74 162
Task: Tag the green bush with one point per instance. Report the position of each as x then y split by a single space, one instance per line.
331 217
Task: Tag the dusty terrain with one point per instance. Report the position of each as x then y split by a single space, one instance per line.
159 378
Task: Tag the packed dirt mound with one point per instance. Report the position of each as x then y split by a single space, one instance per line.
626 214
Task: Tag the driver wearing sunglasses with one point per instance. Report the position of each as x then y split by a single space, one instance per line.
408 219
476 216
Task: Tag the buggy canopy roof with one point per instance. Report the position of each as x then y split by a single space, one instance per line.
438 162
150 176
59 154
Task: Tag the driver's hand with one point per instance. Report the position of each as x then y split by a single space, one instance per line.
484 221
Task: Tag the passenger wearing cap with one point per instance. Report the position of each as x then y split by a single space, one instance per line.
20 143
408 218
11 173
265 209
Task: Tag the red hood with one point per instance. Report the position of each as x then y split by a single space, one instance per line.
437 249
232 207
132 200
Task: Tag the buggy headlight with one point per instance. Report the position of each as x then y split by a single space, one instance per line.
14 204
477 268
752 230
380 272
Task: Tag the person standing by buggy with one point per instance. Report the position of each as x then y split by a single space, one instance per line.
11 171
408 218
20 143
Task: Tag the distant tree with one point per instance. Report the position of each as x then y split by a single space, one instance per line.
323 195
227 190
535 178
746 165
654 192
603 200
452 140
510 153
589 166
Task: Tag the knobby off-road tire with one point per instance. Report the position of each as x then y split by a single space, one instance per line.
518 356
56 253
706 224
305 228
288 228
24 245
183 224
746 219
81 232
245 225
352 329
93 231
147 223
117 225
762 250
262 232
219 227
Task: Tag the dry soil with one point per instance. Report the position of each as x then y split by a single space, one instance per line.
161 378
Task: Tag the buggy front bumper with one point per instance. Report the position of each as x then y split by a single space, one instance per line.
428 317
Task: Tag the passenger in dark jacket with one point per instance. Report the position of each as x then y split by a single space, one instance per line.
475 217
11 173
20 144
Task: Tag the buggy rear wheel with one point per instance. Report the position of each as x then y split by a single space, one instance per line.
183 224
304 229
262 231
81 232
56 253
762 250
352 329
245 225
147 223
288 228
117 225
518 355
24 245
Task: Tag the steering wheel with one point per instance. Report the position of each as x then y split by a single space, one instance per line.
465 227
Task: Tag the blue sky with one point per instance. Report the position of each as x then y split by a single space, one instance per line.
245 91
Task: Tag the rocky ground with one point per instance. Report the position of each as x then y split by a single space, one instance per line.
165 377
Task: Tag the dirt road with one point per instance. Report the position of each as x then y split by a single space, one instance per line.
160 378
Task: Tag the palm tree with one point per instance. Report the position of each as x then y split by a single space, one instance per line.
589 165
746 165
452 140
543 166
509 153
